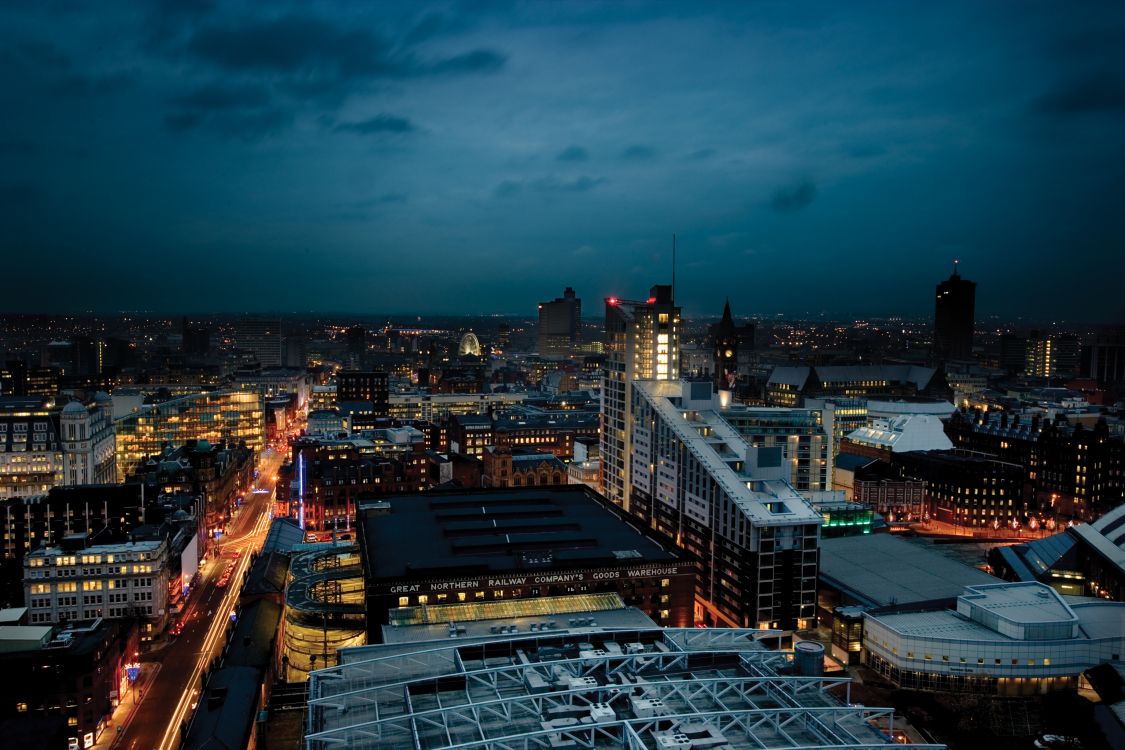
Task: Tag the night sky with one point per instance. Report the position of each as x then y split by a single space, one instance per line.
371 157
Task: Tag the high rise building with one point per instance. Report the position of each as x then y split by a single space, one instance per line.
696 480
642 343
262 338
559 325
953 318
357 339
353 385
1104 359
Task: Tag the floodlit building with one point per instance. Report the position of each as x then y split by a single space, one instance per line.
106 580
42 447
604 680
235 416
436 407
642 343
696 480
1006 639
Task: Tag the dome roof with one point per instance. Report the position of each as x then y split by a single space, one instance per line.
74 407
103 398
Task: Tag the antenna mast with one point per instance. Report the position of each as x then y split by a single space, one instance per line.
673 268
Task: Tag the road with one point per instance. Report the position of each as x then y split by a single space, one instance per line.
169 698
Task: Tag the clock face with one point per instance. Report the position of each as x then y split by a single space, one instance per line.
728 353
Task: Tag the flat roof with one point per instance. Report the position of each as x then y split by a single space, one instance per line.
1021 602
881 570
536 528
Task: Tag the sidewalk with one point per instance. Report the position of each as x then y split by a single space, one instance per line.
127 708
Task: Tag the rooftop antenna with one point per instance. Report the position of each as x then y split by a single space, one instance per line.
955 262
673 268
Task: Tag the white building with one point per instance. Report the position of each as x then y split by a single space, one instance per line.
108 580
697 481
914 432
435 407
1006 638
89 447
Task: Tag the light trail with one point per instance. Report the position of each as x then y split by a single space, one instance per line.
215 632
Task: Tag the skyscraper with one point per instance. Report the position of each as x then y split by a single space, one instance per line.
262 338
642 343
953 318
559 322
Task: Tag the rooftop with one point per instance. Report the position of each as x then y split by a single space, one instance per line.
459 533
882 570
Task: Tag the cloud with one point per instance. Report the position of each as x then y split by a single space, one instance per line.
1098 93
247 126
507 189
787 200
382 123
220 96
639 152
315 59
579 185
41 65
703 153
477 61
549 184
573 153
391 198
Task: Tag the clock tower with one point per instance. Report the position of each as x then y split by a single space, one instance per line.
725 339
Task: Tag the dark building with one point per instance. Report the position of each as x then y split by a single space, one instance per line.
967 490
560 322
1072 471
13 378
1013 353
355 385
356 338
194 339
449 547
110 510
953 318
1104 359
77 673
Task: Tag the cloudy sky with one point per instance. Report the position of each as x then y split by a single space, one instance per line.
477 157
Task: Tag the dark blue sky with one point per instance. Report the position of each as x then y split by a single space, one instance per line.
480 157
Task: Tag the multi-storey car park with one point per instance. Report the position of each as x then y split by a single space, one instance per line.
608 686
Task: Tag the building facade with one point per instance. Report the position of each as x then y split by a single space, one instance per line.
642 343
954 314
236 416
560 323
695 480
113 581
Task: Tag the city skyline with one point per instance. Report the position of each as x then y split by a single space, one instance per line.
807 157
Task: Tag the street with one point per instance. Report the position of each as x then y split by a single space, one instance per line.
170 695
